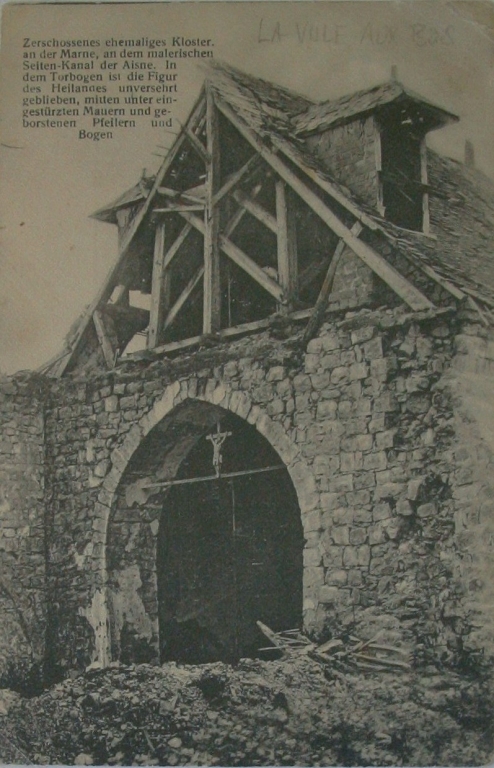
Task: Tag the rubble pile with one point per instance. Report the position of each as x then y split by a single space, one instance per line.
292 711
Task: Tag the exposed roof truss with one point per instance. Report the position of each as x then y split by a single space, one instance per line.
186 275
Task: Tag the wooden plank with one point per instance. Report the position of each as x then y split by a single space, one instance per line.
109 351
201 150
251 268
212 287
241 259
256 210
322 300
286 245
226 333
239 215
184 296
160 290
112 278
176 245
235 178
177 208
399 284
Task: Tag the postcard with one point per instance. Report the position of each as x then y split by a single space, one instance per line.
246 404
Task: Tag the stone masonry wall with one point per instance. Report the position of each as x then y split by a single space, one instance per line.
378 425
22 527
348 152
470 382
364 421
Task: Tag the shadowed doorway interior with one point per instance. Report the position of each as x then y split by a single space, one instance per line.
229 549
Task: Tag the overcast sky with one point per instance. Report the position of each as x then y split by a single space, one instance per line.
54 258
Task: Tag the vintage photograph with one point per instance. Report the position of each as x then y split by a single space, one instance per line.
246 405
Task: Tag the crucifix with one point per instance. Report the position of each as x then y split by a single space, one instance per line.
217 439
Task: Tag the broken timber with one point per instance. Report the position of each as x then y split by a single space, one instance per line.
335 653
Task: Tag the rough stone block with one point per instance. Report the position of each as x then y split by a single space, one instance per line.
326 409
311 363
315 346
376 534
313 577
302 383
336 578
404 508
340 535
362 334
381 511
427 510
389 490
358 371
376 460
373 350
312 557
363 442
328 595
339 374
312 521
111 404
330 341
384 439
341 483
358 536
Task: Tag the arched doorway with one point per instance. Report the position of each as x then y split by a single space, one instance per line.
197 552
229 548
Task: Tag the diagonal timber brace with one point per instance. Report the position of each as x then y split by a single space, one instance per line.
112 277
240 259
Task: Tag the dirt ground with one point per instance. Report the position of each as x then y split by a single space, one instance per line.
286 712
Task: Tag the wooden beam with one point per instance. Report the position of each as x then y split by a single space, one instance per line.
212 287
177 208
108 348
184 296
112 278
235 178
286 244
239 215
322 300
160 290
399 284
176 245
241 259
249 266
201 150
256 210
225 333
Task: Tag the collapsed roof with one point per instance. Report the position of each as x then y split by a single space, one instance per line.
277 128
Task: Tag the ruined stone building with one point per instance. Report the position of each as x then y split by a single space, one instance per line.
307 437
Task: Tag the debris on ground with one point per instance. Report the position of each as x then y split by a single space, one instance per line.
339 653
288 711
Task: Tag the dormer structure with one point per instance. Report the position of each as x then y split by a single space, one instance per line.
269 205
374 142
